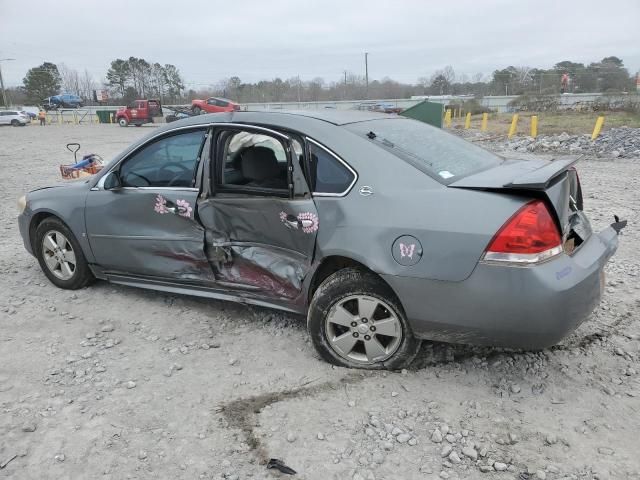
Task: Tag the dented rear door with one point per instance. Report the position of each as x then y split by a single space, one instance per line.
259 241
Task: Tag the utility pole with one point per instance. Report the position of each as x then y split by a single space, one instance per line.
4 94
366 74
345 86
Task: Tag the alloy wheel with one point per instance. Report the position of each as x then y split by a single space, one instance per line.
363 329
58 255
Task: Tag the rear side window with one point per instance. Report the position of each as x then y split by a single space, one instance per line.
222 103
327 173
435 152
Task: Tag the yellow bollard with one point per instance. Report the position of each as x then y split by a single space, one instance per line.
534 126
467 121
447 118
485 118
514 125
597 128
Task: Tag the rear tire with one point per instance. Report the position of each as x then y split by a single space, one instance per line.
347 316
15 123
123 122
60 255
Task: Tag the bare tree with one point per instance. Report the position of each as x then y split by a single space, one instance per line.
87 85
70 80
523 76
449 74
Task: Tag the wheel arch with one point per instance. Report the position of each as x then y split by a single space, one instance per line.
36 220
333 263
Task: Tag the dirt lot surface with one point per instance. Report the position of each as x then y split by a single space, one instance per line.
112 382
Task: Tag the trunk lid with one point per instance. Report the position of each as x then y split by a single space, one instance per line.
556 181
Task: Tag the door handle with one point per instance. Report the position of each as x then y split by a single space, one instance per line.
173 210
306 223
294 224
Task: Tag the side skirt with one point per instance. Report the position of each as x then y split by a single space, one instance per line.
198 291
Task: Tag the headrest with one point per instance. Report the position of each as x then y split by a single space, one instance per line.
259 163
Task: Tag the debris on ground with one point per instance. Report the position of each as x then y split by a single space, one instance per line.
276 464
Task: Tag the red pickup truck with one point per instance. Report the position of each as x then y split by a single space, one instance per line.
213 105
139 112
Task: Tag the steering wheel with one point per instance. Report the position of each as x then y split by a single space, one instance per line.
177 176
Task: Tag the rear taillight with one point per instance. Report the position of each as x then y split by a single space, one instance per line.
529 236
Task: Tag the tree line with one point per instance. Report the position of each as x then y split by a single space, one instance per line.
128 79
607 75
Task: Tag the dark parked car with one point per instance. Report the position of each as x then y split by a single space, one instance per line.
381 229
31 115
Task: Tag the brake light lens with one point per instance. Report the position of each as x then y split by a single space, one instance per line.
529 236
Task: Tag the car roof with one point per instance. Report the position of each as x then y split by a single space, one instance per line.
289 118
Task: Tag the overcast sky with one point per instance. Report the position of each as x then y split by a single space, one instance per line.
209 40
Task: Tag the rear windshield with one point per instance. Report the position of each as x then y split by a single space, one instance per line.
432 150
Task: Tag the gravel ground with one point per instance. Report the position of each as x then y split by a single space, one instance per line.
112 382
613 143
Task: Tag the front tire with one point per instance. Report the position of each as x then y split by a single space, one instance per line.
123 122
60 255
355 320
197 110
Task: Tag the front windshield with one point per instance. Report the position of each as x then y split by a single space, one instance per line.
437 153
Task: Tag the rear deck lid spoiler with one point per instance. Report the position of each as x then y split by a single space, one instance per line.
517 174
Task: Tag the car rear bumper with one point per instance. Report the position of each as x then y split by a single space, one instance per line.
510 306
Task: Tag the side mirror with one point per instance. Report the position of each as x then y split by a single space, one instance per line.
112 181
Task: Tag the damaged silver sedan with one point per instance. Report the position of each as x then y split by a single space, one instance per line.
381 229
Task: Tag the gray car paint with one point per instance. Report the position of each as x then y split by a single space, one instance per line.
448 295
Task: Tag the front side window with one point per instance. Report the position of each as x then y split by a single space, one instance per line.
167 162
327 173
253 161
